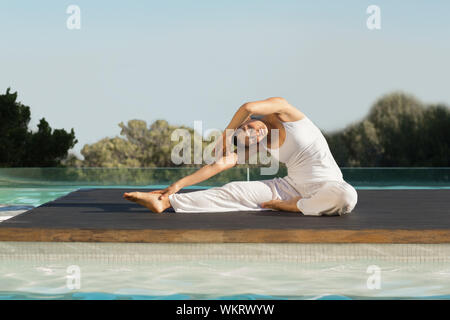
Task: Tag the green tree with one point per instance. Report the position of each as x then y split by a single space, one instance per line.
141 146
20 147
398 131
14 119
363 146
433 141
398 120
111 153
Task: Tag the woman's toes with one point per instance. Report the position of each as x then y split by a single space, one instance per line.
267 204
131 196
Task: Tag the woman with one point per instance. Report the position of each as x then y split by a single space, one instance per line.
313 186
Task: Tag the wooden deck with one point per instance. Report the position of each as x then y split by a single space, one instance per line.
102 215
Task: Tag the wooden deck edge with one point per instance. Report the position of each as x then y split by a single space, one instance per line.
427 236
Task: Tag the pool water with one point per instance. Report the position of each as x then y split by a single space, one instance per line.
40 270
212 279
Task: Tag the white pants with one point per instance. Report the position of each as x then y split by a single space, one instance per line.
322 198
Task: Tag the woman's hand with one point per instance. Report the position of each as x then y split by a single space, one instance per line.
165 193
282 205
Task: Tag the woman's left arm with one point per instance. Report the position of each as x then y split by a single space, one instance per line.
277 105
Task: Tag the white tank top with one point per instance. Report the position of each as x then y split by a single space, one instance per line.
306 154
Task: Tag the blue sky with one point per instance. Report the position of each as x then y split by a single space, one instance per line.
200 60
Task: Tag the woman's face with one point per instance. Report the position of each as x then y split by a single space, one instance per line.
251 132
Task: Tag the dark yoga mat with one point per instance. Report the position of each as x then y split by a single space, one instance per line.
421 216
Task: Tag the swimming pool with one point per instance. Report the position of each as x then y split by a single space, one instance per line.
39 270
223 271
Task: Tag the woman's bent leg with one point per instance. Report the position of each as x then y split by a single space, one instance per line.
234 196
332 198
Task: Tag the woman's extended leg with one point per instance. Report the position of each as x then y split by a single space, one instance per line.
234 196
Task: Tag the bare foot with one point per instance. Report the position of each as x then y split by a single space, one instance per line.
148 200
282 205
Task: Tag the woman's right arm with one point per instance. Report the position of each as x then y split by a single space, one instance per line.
201 174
